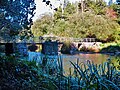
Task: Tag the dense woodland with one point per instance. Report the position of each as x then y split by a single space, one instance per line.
79 20
16 19
92 19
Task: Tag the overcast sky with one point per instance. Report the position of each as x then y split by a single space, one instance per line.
42 8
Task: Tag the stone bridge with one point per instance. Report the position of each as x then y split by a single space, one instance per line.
78 42
86 42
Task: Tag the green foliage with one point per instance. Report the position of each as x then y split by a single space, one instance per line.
69 9
116 62
116 8
66 48
15 15
111 49
42 26
25 75
92 23
96 6
58 14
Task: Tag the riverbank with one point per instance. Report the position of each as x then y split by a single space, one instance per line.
105 48
105 53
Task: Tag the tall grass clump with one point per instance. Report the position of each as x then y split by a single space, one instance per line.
96 77
87 76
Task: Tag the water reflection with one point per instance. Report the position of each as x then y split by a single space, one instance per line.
96 58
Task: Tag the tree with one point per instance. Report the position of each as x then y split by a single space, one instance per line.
116 8
118 2
42 26
79 25
69 9
96 6
15 15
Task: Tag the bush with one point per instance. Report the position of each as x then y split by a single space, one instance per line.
66 48
22 75
111 49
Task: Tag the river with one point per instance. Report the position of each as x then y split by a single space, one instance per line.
96 58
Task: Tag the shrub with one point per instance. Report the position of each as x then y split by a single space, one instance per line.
22 75
66 48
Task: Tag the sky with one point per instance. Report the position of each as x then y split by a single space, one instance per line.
41 7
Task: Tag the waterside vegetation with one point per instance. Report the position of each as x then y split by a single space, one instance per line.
22 74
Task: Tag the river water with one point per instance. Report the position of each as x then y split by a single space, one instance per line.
95 58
